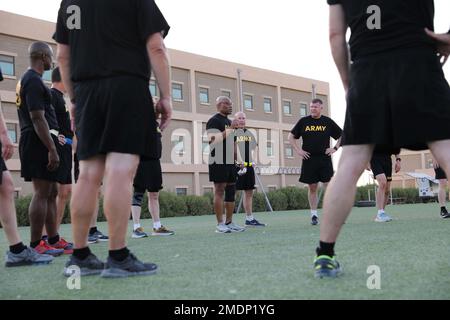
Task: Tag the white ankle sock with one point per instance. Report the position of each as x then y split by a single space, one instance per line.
380 212
157 225
135 226
314 213
250 218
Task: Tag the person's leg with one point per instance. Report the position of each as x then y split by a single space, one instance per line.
219 192
230 194
312 198
153 206
18 254
441 152
387 194
380 196
337 204
64 191
8 216
50 218
38 209
136 204
120 170
442 192
85 198
248 203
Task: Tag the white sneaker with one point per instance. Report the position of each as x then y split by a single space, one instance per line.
235 228
222 228
383 218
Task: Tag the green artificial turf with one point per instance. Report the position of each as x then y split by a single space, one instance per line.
275 262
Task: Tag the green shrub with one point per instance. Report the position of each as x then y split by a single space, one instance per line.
22 205
171 205
278 200
198 206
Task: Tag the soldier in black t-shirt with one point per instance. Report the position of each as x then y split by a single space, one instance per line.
18 254
104 53
395 86
246 152
222 168
381 166
315 131
62 115
39 149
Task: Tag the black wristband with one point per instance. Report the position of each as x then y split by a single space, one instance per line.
398 159
335 148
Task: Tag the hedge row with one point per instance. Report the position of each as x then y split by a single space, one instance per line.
171 205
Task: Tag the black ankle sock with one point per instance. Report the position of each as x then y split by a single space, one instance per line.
120 254
443 209
325 249
17 248
53 240
82 253
34 244
93 230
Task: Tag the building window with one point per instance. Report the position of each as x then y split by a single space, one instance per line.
270 149
7 65
181 191
153 88
289 151
177 91
204 95
248 102
271 188
287 109
12 131
205 144
303 108
429 164
16 194
226 93
208 190
178 144
267 105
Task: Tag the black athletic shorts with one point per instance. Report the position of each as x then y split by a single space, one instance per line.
316 169
381 164
115 115
34 158
246 181
66 164
2 166
399 98
440 174
222 173
148 176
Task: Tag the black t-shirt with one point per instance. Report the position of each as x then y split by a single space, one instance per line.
316 133
33 95
402 25
62 113
1 75
112 36
218 123
246 143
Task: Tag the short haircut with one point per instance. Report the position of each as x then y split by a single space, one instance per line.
56 75
317 101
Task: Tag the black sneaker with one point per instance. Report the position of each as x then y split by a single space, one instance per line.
129 267
326 266
314 220
445 214
100 236
89 266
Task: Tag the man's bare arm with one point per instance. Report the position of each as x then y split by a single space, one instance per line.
159 59
338 43
43 131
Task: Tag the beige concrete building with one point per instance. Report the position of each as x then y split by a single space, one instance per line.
273 102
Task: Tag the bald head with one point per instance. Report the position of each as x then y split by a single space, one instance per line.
41 54
224 105
240 117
